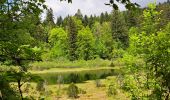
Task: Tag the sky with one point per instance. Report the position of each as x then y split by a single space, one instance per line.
88 7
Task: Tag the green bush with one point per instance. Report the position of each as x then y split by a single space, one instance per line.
112 64
72 91
112 89
40 86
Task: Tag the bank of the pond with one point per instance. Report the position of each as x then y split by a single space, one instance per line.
76 75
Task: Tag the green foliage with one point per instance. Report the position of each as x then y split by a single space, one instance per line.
117 53
16 33
85 20
85 44
72 91
151 44
49 20
91 21
119 29
6 91
18 18
132 17
72 39
40 86
59 21
58 41
112 89
82 40
26 52
133 87
112 64
39 34
103 39
79 14
164 16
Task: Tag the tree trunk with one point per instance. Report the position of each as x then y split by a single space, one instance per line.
167 97
20 91
1 97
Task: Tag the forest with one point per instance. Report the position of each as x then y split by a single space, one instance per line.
122 55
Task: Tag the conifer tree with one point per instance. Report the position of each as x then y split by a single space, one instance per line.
119 29
59 21
107 17
72 39
132 17
91 21
102 18
85 20
49 20
79 14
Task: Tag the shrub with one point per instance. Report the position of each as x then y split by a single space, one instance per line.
72 91
112 64
41 86
98 83
58 93
111 89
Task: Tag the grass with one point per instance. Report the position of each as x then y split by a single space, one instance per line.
92 92
68 64
85 74
62 70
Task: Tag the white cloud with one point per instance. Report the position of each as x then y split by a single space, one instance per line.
87 7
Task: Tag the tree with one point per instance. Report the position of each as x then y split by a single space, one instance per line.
15 36
15 28
79 14
102 18
151 43
58 40
59 21
85 44
106 38
78 23
49 20
40 34
72 39
107 16
132 17
165 13
119 29
85 20
91 21
48 23
103 39
6 91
